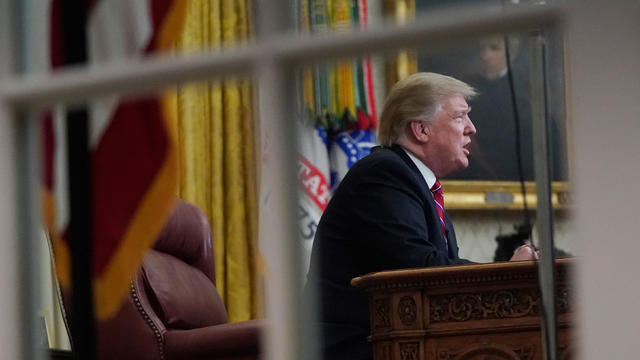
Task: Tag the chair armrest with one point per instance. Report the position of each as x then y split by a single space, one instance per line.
241 338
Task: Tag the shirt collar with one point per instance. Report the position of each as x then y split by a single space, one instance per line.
427 174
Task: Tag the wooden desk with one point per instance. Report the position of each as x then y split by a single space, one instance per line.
471 312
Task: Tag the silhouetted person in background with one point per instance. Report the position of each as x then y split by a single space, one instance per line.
494 155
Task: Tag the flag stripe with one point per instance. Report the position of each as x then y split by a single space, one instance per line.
48 148
118 29
145 226
135 143
168 20
55 35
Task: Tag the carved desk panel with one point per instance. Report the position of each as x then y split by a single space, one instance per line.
470 312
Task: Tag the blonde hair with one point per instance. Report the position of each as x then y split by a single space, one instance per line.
417 97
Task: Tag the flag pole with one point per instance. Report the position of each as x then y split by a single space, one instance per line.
74 21
82 323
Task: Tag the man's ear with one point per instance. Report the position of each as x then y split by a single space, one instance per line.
420 130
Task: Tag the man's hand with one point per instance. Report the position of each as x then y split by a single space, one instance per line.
525 252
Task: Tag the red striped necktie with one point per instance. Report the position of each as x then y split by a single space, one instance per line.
438 196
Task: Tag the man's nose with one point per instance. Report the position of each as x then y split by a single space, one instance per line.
471 129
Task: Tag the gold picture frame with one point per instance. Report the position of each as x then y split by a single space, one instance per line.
499 195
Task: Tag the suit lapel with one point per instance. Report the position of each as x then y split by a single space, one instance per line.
431 214
451 237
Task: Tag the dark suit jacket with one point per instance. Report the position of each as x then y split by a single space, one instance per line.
381 217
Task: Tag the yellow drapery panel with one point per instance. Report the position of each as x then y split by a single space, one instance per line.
217 154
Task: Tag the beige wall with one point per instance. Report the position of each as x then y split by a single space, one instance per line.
476 232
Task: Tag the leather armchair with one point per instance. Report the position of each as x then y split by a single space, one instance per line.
173 310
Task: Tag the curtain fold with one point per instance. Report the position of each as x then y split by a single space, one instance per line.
217 154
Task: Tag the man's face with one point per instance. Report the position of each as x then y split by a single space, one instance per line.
492 58
450 134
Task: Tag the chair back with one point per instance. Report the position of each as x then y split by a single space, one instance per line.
174 289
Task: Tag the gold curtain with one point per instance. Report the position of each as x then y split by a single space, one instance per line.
215 128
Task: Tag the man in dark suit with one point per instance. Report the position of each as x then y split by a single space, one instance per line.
384 214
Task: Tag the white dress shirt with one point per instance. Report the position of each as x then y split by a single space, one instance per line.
427 174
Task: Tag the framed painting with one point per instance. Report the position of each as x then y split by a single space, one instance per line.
497 66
